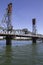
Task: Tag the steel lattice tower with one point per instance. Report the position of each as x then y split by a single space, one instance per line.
9 13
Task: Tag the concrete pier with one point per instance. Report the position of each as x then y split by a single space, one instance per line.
8 40
33 40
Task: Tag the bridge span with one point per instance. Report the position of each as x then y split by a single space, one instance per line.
22 35
10 36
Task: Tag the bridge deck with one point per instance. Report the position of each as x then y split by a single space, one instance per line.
21 35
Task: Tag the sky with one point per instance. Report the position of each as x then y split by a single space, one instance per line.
23 11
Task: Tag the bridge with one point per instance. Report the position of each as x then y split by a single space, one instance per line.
9 32
21 34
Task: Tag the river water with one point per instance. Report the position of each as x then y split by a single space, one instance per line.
21 53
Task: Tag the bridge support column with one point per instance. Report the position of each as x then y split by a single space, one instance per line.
8 40
33 40
42 40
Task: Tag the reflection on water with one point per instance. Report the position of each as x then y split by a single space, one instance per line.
8 55
5 55
26 54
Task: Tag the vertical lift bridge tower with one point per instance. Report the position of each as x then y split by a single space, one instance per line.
34 29
9 25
